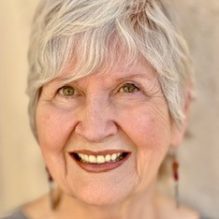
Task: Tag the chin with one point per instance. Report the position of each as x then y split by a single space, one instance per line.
103 201
102 198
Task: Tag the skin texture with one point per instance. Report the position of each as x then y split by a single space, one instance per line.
123 109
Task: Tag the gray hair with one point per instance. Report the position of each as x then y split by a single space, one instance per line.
65 30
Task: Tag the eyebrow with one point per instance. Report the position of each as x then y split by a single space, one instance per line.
136 75
113 78
140 75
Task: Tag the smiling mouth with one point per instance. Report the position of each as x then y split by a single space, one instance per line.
101 161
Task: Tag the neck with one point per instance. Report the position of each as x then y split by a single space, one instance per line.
142 205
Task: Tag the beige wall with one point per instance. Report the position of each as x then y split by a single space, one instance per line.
21 169
20 165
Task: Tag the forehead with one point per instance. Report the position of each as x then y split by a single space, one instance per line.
140 69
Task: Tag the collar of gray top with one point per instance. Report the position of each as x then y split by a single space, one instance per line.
17 214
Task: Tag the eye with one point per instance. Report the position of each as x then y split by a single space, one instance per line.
129 88
67 91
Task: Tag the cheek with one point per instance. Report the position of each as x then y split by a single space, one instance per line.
147 126
54 128
149 130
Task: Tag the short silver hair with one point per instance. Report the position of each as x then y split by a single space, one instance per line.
89 34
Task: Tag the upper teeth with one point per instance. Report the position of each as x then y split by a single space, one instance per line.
99 158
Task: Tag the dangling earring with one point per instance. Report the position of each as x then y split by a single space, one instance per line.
52 196
175 171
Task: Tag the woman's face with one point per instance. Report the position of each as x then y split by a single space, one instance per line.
104 136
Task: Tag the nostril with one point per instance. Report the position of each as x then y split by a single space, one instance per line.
96 132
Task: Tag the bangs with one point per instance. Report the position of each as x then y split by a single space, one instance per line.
97 50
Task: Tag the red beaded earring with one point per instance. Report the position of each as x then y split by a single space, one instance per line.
52 196
175 171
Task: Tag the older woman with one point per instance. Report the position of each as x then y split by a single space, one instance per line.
110 87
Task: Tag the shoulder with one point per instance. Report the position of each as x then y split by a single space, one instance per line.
38 208
169 210
188 213
17 214
32 210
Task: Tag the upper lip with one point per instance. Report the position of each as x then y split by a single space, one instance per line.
95 153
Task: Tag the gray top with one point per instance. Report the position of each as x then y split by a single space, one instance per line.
19 215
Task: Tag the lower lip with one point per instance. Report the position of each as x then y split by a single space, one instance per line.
99 168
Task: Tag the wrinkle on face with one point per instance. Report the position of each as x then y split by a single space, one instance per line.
142 121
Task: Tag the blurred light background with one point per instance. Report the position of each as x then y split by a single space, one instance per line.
22 176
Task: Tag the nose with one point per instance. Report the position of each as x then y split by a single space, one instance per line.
96 123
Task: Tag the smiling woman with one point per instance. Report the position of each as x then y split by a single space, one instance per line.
110 86
102 127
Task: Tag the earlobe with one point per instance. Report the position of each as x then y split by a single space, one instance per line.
178 132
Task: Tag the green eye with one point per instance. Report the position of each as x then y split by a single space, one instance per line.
67 91
129 88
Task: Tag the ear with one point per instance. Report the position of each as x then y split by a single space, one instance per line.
178 133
